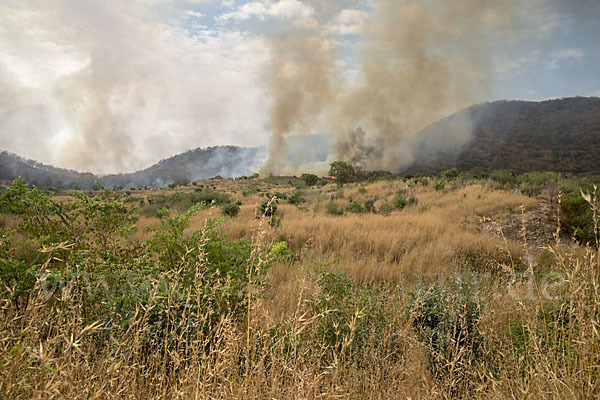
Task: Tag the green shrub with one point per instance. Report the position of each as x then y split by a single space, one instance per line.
448 324
439 185
268 207
450 175
309 179
296 198
355 208
230 209
504 178
281 252
577 218
399 202
334 209
352 318
370 205
183 201
386 209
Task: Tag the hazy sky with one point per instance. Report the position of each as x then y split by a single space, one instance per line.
109 85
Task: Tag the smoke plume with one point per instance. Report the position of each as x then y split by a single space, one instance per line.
419 62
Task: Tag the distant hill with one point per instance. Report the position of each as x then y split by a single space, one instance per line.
226 161
556 135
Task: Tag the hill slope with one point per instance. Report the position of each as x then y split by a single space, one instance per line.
556 135
227 161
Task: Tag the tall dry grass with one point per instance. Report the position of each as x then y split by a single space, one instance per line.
539 328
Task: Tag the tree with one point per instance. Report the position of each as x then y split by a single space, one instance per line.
342 172
310 179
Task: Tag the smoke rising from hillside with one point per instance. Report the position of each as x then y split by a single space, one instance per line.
115 86
419 62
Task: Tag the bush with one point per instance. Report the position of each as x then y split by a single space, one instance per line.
268 207
577 218
309 179
183 201
450 175
281 252
342 172
355 208
334 209
503 177
399 202
439 185
230 209
351 319
370 205
296 198
386 209
448 324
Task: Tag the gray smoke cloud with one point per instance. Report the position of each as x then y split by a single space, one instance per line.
418 61
115 86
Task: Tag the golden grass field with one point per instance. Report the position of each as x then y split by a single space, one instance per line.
525 352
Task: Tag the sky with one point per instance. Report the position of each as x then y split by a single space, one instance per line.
114 86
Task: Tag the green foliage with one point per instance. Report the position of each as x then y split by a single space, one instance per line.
399 202
505 178
448 324
450 175
349 318
370 205
309 179
342 171
281 252
88 222
386 209
230 209
334 209
186 282
577 218
355 208
268 207
296 198
439 185
183 201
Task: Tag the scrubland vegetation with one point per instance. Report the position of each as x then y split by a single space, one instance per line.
445 286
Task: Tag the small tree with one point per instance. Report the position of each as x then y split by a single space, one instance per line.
310 179
342 172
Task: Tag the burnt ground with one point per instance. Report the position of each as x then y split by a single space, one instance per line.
540 226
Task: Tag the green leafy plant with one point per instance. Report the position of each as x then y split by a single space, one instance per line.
342 171
309 179
334 209
230 210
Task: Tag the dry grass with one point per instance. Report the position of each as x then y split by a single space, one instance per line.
48 351
420 240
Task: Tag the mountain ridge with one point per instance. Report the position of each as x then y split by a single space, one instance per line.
561 135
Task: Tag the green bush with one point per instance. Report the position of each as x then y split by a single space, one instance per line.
334 209
230 209
370 205
183 201
448 324
355 208
450 175
386 209
504 178
268 207
309 179
577 218
399 202
296 198
350 318
439 185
